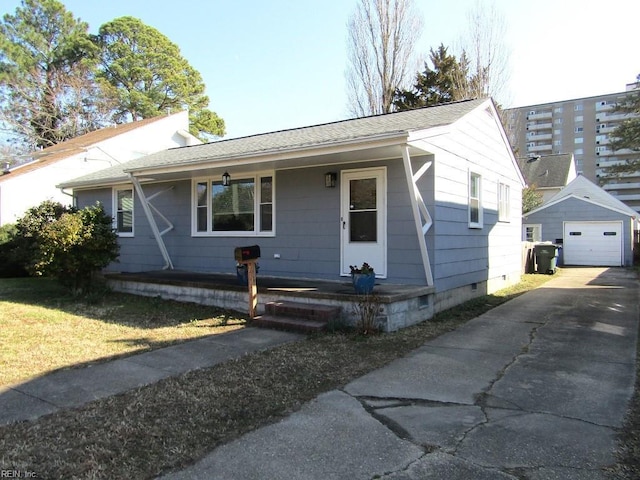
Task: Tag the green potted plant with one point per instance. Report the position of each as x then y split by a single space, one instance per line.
363 278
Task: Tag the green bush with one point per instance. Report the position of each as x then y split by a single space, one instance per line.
66 243
10 266
7 233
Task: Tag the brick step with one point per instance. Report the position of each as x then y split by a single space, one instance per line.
310 311
303 325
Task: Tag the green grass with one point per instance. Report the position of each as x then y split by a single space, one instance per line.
44 328
168 425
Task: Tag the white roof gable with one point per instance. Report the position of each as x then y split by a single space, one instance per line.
587 191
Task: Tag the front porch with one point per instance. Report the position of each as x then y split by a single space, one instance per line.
400 305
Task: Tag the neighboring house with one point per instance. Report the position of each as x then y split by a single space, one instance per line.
548 174
593 227
29 184
427 197
585 127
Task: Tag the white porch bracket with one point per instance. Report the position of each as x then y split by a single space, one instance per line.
164 219
146 206
421 215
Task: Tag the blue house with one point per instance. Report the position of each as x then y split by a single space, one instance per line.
430 198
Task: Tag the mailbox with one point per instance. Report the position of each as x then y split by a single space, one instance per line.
244 254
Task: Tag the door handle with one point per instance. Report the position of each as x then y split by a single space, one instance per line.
344 225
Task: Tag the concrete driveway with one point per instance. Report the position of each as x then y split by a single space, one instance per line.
534 389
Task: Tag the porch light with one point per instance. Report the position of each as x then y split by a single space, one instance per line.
330 179
226 179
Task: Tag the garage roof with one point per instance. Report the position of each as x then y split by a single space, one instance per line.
585 190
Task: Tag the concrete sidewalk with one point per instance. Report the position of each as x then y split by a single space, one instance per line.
75 387
534 389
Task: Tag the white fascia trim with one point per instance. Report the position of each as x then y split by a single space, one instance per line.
427 134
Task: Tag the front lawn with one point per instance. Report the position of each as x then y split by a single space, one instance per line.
154 429
43 328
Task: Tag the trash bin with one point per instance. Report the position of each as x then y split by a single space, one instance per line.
546 257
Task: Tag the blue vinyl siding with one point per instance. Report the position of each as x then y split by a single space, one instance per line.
307 230
308 227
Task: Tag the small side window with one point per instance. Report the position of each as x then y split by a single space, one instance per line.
504 204
475 200
123 211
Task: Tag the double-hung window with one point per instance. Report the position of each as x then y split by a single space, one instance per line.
245 207
504 204
123 211
475 200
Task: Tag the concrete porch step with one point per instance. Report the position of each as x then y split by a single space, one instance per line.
302 325
297 316
311 311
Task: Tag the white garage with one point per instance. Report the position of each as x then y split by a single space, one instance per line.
593 243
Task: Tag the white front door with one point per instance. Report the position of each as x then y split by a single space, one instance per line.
363 219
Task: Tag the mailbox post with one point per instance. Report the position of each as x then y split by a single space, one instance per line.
249 256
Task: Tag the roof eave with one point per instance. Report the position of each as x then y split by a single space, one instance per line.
92 184
582 199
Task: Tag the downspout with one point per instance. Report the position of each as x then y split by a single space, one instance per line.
421 215
168 265
73 197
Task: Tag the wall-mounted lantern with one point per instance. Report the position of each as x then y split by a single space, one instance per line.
330 179
226 179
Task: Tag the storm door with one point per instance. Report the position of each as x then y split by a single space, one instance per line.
363 219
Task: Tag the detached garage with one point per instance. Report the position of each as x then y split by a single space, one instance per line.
593 243
593 227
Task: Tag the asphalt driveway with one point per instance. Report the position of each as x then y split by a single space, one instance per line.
536 389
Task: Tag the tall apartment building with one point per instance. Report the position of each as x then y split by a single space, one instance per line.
581 126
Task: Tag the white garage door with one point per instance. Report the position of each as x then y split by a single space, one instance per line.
593 243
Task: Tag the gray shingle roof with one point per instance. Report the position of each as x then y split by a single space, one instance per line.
316 136
546 171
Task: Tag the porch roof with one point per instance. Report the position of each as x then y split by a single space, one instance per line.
280 147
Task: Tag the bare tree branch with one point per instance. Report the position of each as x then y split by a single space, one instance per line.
485 49
382 36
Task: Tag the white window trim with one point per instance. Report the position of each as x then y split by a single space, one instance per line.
477 224
114 197
504 202
256 176
537 226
